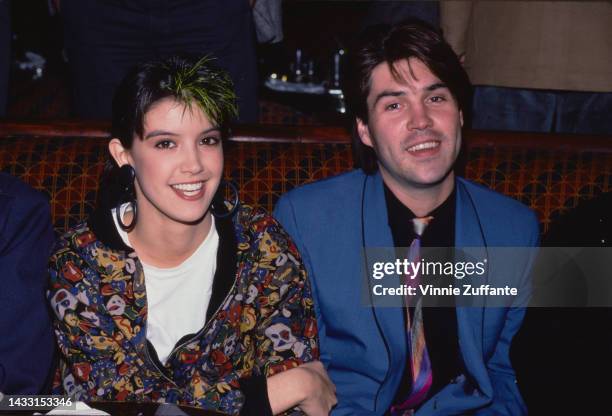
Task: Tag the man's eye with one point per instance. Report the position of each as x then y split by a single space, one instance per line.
437 99
393 106
210 140
165 144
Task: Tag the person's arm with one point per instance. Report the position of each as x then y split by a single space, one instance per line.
286 332
26 236
285 214
307 387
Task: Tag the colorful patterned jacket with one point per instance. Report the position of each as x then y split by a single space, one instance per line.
260 320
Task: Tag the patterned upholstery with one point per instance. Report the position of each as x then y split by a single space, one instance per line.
67 169
549 181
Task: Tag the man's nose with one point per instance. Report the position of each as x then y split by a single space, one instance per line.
419 117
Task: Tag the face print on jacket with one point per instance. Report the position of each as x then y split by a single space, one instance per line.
281 336
116 305
62 301
69 386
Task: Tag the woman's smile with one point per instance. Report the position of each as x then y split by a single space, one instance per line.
189 191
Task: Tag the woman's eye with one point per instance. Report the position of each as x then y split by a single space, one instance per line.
164 144
209 141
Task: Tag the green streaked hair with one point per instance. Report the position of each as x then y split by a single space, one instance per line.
186 80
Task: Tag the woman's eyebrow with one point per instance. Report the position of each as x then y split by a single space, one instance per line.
157 133
213 128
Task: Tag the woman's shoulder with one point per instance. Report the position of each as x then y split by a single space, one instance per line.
80 248
257 230
257 222
75 239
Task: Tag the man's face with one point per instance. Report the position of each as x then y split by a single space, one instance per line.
414 127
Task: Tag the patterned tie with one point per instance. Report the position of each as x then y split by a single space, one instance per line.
420 365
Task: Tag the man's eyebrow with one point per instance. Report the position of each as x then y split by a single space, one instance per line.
436 86
387 93
157 133
390 93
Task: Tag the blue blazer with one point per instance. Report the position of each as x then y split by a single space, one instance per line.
364 348
26 236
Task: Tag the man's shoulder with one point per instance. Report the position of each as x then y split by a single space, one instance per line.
24 211
333 190
486 198
14 189
509 220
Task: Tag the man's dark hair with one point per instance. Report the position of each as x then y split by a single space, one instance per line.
391 44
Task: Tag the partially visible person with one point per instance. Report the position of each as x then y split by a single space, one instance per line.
391 12
104 39
539 66
5 53
26 237
168 293
567 351
268 20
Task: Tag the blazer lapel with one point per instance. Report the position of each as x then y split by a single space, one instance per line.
469 233
376 233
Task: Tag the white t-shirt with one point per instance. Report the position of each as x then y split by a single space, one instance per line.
178 297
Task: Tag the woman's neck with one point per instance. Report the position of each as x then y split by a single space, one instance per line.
165 243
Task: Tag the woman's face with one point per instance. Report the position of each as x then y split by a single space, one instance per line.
178 163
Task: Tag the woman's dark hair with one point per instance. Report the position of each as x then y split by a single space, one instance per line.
188 81
390 44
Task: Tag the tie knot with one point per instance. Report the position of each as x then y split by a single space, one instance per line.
420 223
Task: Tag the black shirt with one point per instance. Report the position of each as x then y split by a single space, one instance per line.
440 324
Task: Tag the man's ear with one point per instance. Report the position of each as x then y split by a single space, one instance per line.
461 117
118 152
364 132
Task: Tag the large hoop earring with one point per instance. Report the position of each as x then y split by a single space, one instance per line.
218 207
126 177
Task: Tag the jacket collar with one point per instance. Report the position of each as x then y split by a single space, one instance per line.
103 227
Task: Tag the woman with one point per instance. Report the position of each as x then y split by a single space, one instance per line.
170 294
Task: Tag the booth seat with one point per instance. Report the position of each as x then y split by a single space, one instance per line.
549 173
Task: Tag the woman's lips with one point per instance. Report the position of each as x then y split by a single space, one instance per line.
189 191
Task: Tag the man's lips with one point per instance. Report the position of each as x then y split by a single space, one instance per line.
424 146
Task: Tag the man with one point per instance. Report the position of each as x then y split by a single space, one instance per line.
26 236
408 94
